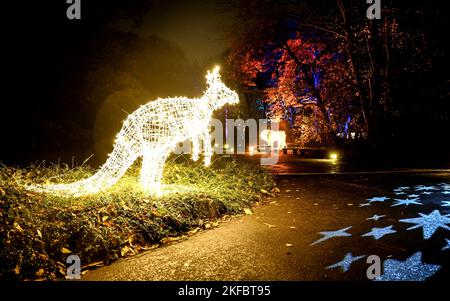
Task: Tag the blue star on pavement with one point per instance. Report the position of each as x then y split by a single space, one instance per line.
375 217
430 223
445 186
445 204
446 192
446 247
412 269
413 196
401 188
400 192
378 199
406 202
377 233
426 192
330 234
345 263
424 188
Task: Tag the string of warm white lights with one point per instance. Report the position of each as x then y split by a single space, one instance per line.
152 132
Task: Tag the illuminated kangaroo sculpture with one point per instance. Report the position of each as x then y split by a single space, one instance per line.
152 132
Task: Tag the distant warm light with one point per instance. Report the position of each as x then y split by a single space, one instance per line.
152 132
333 156
275 139
251 150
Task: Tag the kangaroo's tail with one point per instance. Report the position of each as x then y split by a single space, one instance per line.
117 164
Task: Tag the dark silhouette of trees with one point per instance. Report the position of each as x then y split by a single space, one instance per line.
70 82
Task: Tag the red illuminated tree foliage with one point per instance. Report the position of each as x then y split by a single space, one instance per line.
305 83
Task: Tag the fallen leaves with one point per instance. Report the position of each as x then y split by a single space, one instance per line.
17 227
265 191
248 211
39 273
65 251
171 239
92 265
17 270
193 231
126 250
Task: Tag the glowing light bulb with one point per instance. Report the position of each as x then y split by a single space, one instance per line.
152 132
334 156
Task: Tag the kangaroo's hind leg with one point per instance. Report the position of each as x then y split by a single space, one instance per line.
195 147
152 169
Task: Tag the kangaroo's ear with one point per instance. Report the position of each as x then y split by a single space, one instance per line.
213 75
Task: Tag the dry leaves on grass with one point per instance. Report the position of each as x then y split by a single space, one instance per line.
65 251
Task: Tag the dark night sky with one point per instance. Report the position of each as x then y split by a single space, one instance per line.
197 26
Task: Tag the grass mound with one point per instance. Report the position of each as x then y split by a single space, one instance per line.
38 232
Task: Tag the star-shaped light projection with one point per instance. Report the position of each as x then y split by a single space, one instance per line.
446 192
399 192
446 247
413 196
378 199
406 202
375 217
430 223
426 192
412 269
377 233
445 204
401 188
425 188
445 186
364 205
330 234
345 263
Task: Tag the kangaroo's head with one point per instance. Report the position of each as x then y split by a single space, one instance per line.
217 93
